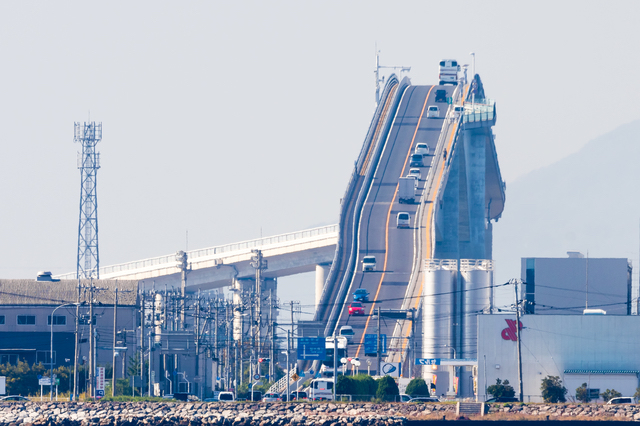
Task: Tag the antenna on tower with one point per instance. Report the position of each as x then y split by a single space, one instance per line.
88 134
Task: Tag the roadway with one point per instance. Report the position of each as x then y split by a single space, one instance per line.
394 248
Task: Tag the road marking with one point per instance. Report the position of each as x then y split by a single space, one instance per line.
386 236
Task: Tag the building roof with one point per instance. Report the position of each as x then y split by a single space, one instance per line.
31 292
601 371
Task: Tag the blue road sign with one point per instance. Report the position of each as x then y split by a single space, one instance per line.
311 348
427 361
371 343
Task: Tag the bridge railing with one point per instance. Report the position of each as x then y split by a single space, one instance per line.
211 251
479 110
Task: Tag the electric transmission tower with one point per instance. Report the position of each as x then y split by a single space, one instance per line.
88 134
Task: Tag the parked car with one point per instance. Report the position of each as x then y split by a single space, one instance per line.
361 295
14 398
503 399
621 400
368 264
433 111
422 149
272 397
403 220
347 332
416 160
356 308
441 95
226 396
297 396
423 399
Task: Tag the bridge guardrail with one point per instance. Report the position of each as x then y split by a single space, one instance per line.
359 203
226 248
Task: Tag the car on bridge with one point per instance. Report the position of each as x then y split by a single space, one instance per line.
361 295
433 111
415 172
403 220
347 332
441 95
368 264
422 149
356 308
416 160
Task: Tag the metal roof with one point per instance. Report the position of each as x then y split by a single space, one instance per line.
27 292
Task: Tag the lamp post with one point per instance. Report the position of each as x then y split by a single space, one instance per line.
473 66
453 349
275 325
51 349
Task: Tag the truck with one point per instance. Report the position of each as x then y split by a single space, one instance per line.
406 190
321 389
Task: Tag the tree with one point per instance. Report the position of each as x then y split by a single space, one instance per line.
345 385
387 389
610 393
417 387
582 393
501 389
552 389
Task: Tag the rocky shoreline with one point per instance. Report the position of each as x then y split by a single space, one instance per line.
284 414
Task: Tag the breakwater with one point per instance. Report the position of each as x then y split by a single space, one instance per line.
285 414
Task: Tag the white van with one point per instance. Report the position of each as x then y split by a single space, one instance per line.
448 72
403 220
368 264
457 112
433 111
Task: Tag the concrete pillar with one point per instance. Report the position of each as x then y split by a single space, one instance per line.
321 276
475 141
447 213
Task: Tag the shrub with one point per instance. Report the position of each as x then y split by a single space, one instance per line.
387 389
610 393
552 389
582 393
501 389
417 387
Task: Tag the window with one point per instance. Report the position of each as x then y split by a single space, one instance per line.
57 320
44 357
26 319
1 319
9 359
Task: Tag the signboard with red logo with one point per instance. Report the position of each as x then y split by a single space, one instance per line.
510 333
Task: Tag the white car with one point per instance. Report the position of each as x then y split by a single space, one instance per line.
347 332
416 173
457 112
368 264
422 149
433 111
403 220
226 396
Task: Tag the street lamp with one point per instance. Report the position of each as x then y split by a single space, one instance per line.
473 68
51 352
453 349
287 352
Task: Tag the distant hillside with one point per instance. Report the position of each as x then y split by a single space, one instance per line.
589 202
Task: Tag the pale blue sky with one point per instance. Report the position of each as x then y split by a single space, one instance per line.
225 118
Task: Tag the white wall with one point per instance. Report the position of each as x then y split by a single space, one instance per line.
552 344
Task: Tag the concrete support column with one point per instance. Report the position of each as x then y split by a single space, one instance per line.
475 142
321 277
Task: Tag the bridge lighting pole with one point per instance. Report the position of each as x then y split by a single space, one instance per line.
473 66
379 80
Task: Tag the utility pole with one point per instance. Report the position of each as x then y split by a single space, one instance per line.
92 348
197 321
515 286
335 363
259 264
379 345
75 358
142 306
181 258
115 322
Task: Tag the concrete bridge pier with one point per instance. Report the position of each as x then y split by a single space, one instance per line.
322 270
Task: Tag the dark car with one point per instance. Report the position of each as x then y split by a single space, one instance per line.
441 95
503 399
14 398
416 160
361 295
296 396
423 399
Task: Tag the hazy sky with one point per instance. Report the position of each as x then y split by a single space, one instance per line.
228 119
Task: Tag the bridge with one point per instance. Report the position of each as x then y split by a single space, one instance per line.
428 273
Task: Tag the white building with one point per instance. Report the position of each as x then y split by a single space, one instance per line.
600 350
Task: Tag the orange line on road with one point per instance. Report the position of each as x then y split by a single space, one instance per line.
386 236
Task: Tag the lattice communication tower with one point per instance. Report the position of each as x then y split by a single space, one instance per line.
88 134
